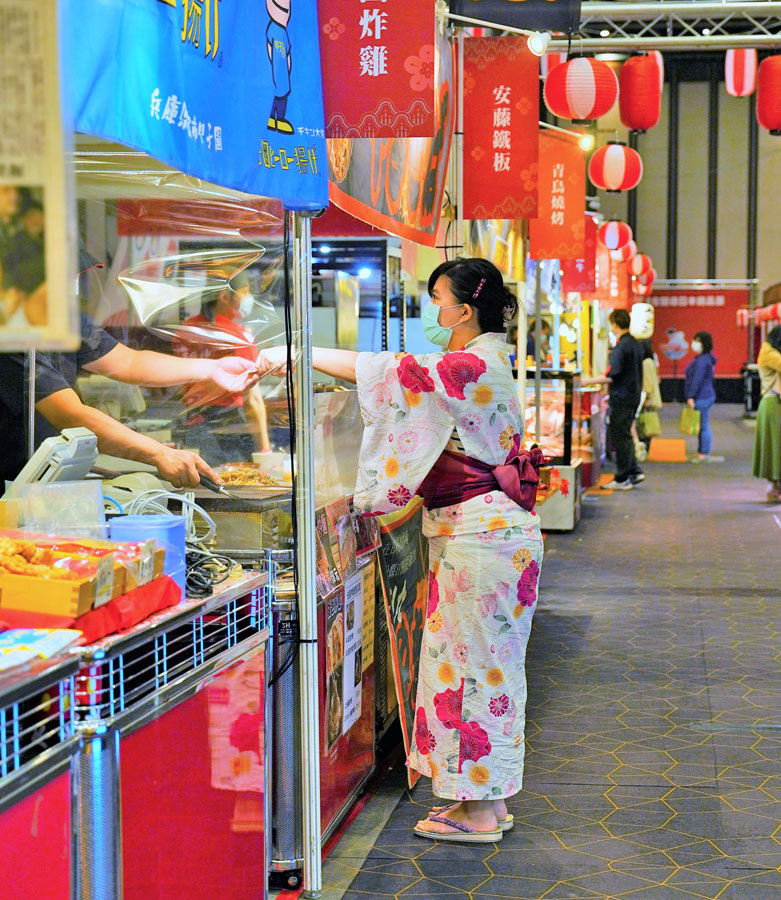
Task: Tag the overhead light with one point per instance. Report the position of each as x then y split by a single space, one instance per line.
325 248
364 273
538 42
586 142
604 33
706 31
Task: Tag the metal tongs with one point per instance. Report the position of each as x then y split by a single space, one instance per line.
217 488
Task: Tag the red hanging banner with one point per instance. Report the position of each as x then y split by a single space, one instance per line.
580 274
396 184
612 283
558 232
501 111
378 67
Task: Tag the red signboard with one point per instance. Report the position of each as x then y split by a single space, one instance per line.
398 184
558 232
501 110
680 314
580 274
378 67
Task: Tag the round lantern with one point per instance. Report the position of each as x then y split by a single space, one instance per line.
642 290
614 234
625 253
769 94
640 265
647 278
615 167
581 89
639 98
550 61
657 57
740 72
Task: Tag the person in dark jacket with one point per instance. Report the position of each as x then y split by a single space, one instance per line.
699 389
625 377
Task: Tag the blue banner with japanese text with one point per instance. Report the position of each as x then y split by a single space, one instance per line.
229 91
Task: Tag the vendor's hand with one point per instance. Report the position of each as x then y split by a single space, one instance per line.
272 361
690 401
182 467
234 375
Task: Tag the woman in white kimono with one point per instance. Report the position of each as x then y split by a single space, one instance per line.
447 426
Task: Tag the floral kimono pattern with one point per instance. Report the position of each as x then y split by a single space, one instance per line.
485 557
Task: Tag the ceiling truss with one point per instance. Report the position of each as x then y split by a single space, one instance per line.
693 25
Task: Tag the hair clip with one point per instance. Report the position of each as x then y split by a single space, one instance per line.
478 289
507 313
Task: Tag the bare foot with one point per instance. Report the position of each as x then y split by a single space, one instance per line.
476 814
500 810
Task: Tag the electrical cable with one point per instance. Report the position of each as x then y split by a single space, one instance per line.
205 570
151 502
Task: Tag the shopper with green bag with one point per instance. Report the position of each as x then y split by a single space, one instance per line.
699 389
767 435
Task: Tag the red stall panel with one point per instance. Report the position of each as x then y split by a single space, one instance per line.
193 795
35 835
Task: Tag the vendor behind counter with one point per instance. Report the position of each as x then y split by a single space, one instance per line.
58 405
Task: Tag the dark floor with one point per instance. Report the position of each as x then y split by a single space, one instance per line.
653 767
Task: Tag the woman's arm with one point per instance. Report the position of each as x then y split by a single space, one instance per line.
769 357
336 363
255 410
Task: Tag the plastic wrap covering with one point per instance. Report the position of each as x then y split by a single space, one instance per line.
191 278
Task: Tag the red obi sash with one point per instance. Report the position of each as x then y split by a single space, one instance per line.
456 478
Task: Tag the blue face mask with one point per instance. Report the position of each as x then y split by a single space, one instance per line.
436 333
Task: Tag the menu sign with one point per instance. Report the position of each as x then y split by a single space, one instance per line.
378 67
558 232
501 109
580 274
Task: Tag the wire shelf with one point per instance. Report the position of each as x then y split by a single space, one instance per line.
110 684
35 721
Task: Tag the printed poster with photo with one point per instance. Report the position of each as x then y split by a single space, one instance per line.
334 668
38 306
342 537
328 575
353 652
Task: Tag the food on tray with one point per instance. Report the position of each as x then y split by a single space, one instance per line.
21 557
339 153
247 476
351 616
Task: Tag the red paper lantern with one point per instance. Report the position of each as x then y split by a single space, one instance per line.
769 94
614 234
640 265
625 253
615 167
639 98
550 61
740 72
657 57
647 278
642 290
581 89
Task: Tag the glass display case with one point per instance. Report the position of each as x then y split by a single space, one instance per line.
561 435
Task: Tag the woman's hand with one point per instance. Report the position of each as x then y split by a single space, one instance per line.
182 467
273 361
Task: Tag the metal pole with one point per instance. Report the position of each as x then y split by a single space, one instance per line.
30 403
672 178
713 167
305 514
631 206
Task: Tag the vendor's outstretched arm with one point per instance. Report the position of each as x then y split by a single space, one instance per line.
231 374
64 409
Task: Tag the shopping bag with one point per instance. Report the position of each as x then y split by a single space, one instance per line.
650 423
689 423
